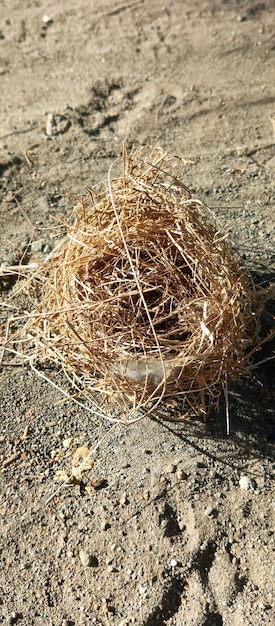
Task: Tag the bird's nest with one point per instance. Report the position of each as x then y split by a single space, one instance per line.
144 298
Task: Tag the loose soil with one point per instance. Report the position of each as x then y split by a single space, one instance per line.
174 523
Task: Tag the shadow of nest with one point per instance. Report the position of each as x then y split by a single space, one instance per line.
144 299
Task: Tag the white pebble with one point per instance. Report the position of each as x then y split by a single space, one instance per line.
245 483
173 563
37 246
49 125
84 558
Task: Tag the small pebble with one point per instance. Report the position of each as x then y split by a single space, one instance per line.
171 468
211 512
46 19
247 483
123 500
84 558
87 559
24 244
105 525
241 18
106 607
111 569
61 542
49 125
97 482
13 618
173 563
181 475
244 482
37 246
114 547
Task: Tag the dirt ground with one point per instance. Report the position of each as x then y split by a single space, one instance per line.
174 523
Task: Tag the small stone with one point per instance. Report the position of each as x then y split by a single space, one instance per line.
24 244
146 470
244 482
88 560
211 512
142 590
61 541
84 558
37 246
173 563
124 500
247 483
181 475
46 19
66 443
49 125
171 468
13 618
114 547
106 607
111 568
97 482
105 525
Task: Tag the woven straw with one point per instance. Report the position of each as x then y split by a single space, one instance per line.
144 299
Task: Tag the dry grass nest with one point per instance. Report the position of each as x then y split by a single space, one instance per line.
144 299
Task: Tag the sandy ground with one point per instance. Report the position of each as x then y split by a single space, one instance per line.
174 524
